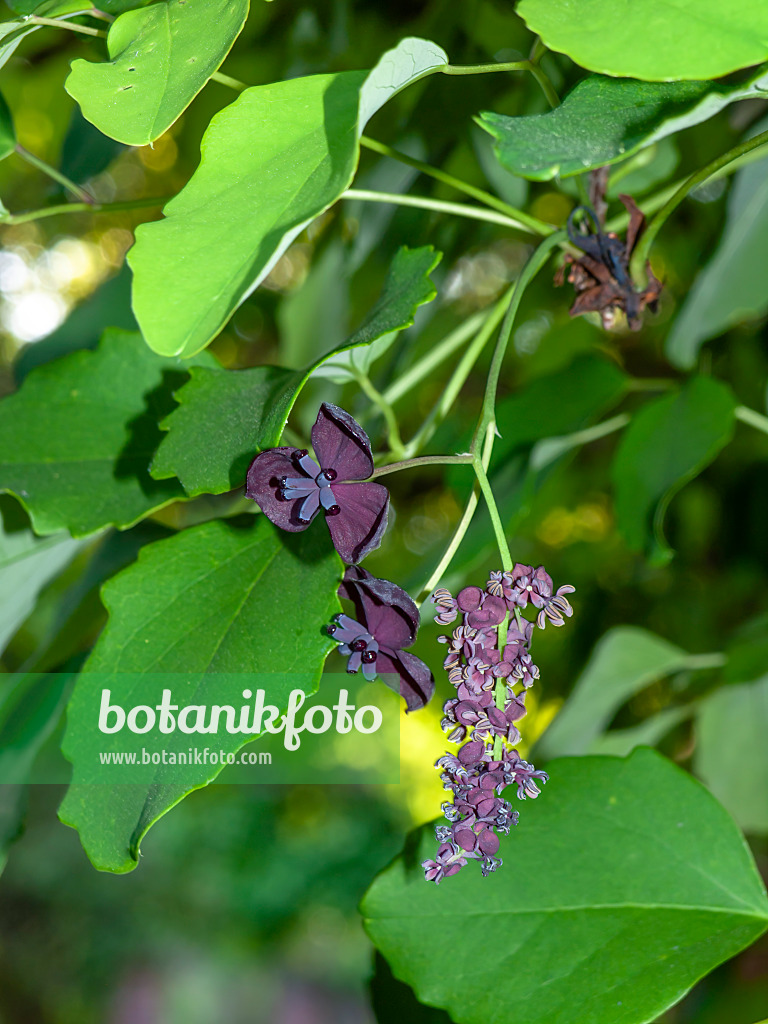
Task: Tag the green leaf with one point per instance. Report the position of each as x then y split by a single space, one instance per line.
11 34
625 660
27 563
271 162
622 871
31 707
648 733
225 416
77 439
653 39
669 441
69 6
604 120
160 58
7 130
213 599
731 288
12 808
731 755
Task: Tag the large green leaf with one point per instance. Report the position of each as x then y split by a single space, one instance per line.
731 288
647 733
27 563
212 600
31 707
160 58
668 442
271 162
7 130
624 883
604 120
225 416
625 661
731 754
77 439
653 39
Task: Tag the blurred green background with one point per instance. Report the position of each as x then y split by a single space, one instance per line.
244 906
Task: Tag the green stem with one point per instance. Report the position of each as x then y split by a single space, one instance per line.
498 528
436 356
91 207
515 65
640 256
536 261
550 448
535 225
423 460
456 382
754 419
393 430
700 662
85 30
439 206
231 83
57 176
650 383
458 536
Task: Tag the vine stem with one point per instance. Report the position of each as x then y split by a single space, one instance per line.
423 460
231 83
640 255
89 207
440 206
754 419
85 30
535 225
57 176
515 65
368 388
493 511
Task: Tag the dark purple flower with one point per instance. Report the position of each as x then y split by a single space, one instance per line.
386 622
290 487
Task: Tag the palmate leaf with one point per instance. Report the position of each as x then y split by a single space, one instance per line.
77 439
669 441
271 162
604 120
653 39
622 871
160 58
213 599
225 416
624 662
731 288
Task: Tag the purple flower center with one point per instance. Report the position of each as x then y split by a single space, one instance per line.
357 644
314 488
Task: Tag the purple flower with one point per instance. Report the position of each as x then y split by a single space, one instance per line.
386 622
290 487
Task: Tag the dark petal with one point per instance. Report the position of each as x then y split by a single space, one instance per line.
471 752
358 528
488 842
341 444
492 613
469 599
263 485
414 682
388 612
466 839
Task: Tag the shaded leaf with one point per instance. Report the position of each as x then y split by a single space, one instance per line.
12 809
271 162
226 416
31 707
669 441
86 152
77 439
621 742
160 58
604 120
7 130
653 40
625 660
27 563
731 755
48 6
622 870
731 288
211 600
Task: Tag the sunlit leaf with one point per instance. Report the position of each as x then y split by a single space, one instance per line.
623 663
604 120
160 58
271 162
225 416
669 441
213 599
653 39
621 871
77 439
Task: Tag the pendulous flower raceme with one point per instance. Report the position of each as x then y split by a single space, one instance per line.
386 621
486 668
290 487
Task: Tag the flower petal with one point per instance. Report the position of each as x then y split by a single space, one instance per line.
263 485
407 675
387 611
358 528
340 443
